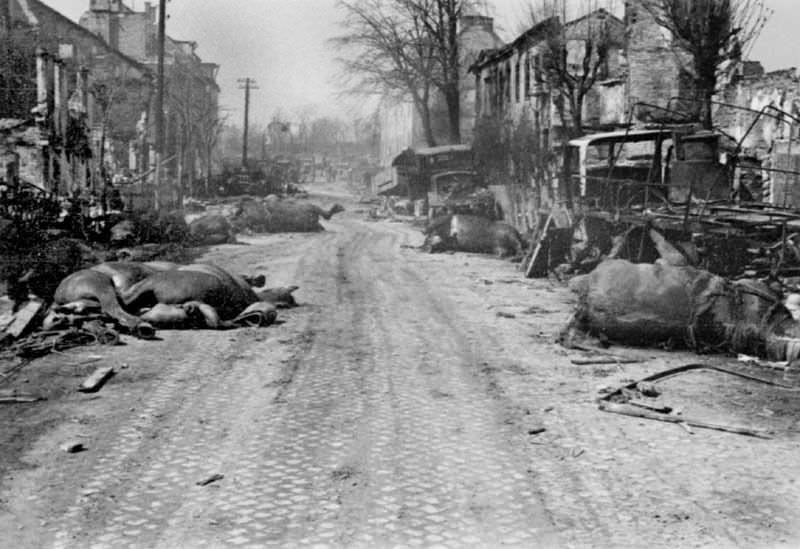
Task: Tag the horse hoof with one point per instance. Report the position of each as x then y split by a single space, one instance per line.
143 330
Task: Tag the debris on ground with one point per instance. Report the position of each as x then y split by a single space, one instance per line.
14 397
6 312
647 389
213 478
73 447
94 382
24 319
42 343
625 400
604 359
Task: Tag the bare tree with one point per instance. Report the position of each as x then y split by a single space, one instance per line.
713 33
387 50
120 100
193 104
407 49
304 115
440 21
575 55
209 126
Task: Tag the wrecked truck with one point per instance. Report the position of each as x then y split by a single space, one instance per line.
689 186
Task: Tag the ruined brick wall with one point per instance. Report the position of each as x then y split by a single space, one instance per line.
655 70
778 89
130 32
133 36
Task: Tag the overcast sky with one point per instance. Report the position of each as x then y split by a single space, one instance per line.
282 44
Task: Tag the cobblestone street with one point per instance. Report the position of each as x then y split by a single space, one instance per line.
394 408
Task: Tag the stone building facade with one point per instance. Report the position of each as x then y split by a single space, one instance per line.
511 84
477 34
518 109
72 68
658 81
191 95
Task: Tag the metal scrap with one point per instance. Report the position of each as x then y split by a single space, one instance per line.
619 401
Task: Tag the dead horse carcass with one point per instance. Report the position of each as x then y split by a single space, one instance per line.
472 233
210 230
282 216
224 298
657 304
103 284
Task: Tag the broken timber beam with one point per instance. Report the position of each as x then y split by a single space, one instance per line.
585 361
535 263
24 318
608 405
95 381
637 411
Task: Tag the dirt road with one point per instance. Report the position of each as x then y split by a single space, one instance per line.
412 400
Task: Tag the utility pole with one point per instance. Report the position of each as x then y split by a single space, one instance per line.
249 84
159 108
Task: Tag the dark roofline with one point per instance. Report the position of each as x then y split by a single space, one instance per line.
592 13
488 56
498 54
89 34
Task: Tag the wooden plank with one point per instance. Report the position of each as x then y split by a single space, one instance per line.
6 312
11 396
24 318
605 360
95 381
535 260
629 410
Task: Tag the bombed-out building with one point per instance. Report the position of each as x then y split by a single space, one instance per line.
61 98
192 92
